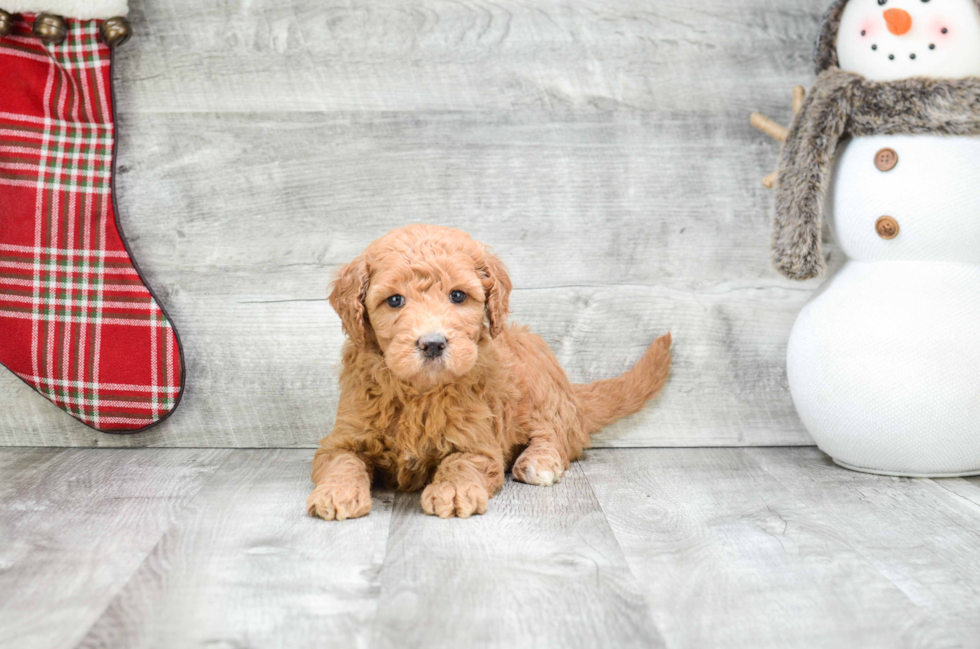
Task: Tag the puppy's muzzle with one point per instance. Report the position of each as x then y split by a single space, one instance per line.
433 345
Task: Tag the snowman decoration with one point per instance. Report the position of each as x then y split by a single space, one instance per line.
884 361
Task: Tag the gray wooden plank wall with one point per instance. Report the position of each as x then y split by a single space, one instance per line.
601 147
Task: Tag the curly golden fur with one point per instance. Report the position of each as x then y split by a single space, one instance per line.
452 420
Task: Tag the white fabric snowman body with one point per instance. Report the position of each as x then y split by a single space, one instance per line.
884 362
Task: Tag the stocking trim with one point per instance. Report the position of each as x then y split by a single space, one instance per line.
80 9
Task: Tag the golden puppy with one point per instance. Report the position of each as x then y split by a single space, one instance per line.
437 392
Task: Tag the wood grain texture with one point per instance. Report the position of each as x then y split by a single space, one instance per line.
74 527
923 537
602 148
246 567
422 56
719 543
968 489
686 548
540 569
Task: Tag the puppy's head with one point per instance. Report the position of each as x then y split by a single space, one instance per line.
425 297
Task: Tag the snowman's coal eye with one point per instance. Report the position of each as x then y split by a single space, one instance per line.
882 2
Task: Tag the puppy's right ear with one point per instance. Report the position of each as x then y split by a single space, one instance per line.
347 297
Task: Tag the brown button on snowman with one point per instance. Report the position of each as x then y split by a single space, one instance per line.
883 363
886 159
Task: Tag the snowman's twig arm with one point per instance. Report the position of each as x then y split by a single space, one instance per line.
769 127
777 131
799 96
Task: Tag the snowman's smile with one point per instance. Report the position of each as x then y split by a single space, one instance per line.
912 55
887 40
899 23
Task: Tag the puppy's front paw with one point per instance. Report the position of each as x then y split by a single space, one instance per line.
340 501
448 499
539 466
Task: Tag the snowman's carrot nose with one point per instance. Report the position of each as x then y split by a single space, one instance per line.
899 21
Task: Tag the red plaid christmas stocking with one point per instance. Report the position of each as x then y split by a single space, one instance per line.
77 322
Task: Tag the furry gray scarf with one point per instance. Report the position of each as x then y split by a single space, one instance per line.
844 104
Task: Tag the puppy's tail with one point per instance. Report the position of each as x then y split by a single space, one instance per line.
603 402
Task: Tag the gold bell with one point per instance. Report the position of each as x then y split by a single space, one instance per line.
6 23
116 31
50 28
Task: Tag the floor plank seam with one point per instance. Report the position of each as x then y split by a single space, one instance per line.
370 630
177 517
837 523
619 544
971 504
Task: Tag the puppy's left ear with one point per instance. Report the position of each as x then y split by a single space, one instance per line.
496 287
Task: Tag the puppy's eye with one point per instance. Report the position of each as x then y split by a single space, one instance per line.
396 301
458 297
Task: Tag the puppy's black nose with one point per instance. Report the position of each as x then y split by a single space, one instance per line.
432 345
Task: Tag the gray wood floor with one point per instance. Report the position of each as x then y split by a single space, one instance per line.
602 147
694 548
